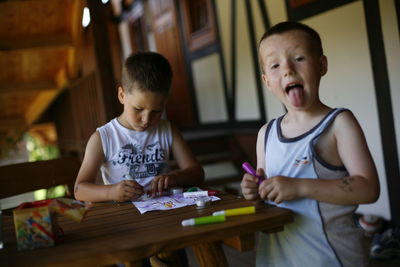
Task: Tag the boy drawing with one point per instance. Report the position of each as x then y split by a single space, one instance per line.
315 158
132 150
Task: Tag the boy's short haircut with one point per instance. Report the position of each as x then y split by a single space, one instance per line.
287 26
147 71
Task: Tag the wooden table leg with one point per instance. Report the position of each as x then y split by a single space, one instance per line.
210 254
241 243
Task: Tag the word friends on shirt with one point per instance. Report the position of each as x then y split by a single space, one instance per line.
142 162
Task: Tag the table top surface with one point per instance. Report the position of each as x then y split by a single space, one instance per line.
117 232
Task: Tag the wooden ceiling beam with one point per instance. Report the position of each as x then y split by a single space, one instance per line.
44 99
40 104
35 42
28 87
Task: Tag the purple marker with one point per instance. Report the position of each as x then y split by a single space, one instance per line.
247 167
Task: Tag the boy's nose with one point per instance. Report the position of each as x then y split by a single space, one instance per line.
288 69
145 119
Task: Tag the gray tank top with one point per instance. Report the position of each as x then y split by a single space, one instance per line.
322 234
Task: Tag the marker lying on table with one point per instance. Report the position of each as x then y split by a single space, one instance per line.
238 211
203 220
247 167
201 193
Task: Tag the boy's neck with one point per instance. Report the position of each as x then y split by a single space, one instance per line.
300 116
297 122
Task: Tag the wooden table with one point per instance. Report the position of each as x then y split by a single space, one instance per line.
114 233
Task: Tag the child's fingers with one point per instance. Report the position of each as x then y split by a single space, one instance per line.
157 186
249 191
132 188
166 182
133 184
250 180
132 195
160 185
260 172
272 195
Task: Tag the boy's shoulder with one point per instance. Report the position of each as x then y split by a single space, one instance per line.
344 118
266 128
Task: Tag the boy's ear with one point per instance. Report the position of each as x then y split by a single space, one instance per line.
265 81
121 94
324 65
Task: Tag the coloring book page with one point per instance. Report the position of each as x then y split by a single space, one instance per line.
146 204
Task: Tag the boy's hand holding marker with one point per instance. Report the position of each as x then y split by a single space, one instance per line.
251 181
125 190
250 170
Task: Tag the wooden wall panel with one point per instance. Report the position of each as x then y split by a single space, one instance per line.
167 37
77 113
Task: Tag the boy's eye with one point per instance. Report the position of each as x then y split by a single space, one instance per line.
298 59
138 109
156 112
274 66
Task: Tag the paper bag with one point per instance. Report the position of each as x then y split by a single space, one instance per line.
36 222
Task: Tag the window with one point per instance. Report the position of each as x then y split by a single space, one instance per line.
301 9
199 24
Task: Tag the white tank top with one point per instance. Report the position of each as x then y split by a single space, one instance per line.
322 234
139 155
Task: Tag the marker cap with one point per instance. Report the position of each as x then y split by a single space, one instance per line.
221 212
175 190
188 222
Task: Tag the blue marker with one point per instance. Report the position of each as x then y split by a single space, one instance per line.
247 167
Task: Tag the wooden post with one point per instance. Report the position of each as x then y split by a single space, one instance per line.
210 255
108 88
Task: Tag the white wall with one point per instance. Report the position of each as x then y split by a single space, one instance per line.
246 97
207 79
392 47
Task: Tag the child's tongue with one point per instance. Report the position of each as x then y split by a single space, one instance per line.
296 96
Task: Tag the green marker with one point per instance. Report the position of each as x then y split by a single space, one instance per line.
203 220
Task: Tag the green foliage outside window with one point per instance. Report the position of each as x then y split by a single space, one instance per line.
36 152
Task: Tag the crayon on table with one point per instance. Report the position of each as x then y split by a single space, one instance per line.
204 220
238 211
250 170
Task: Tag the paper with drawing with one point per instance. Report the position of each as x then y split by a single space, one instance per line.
165 202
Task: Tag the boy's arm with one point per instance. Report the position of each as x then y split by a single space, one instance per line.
190 171
361 186
86 188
